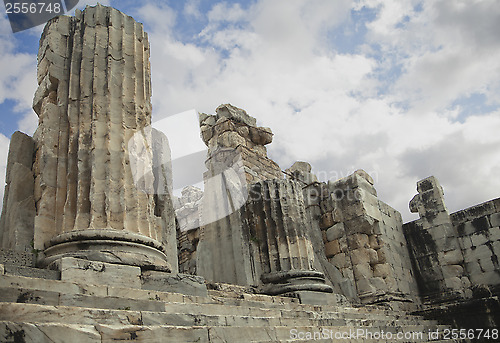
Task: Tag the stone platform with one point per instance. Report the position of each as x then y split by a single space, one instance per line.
100 302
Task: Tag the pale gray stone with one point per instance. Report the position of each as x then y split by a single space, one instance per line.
450 257
176 283
450 271
358 240
478 239
335 232
48 332
382 270
495 220
362 271
481 252
99 165
363 255
364 287
487 265
341 260
486 278
235 113
99 273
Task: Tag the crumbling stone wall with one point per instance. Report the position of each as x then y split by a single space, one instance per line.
455 256
319 207
478 231
363 238
360 236
232 128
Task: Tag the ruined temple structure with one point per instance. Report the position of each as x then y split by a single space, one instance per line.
94 246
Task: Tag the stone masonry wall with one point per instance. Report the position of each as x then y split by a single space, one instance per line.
478 231
364 239
454 256
232 129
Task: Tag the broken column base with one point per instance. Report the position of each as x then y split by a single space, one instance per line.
108 246
308 285
82 271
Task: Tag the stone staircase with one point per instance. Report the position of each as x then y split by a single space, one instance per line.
41 309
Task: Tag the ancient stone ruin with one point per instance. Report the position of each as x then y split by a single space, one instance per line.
95 246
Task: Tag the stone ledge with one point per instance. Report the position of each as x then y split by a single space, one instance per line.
32 272
176 283
98 273
20 258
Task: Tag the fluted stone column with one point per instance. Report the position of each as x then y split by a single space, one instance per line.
93 97
277 224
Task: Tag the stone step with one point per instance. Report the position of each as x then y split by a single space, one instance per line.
18 258
26 271
54 292
27 332
209 314
80 315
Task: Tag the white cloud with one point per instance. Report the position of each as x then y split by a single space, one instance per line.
28 123
191 9
330 109
447 49
17 70
387 107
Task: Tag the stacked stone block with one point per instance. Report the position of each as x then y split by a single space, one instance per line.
478 231
455 256
440 263
232 133
320 209
363 238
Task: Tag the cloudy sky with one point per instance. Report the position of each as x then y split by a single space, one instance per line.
402 89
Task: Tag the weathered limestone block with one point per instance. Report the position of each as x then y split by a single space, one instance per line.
98 273
18 212
435 244
117 333
495 220
48 332
261 135
375 250
332 248
176 283
231 131
335 232
102 175
301 171
237 114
